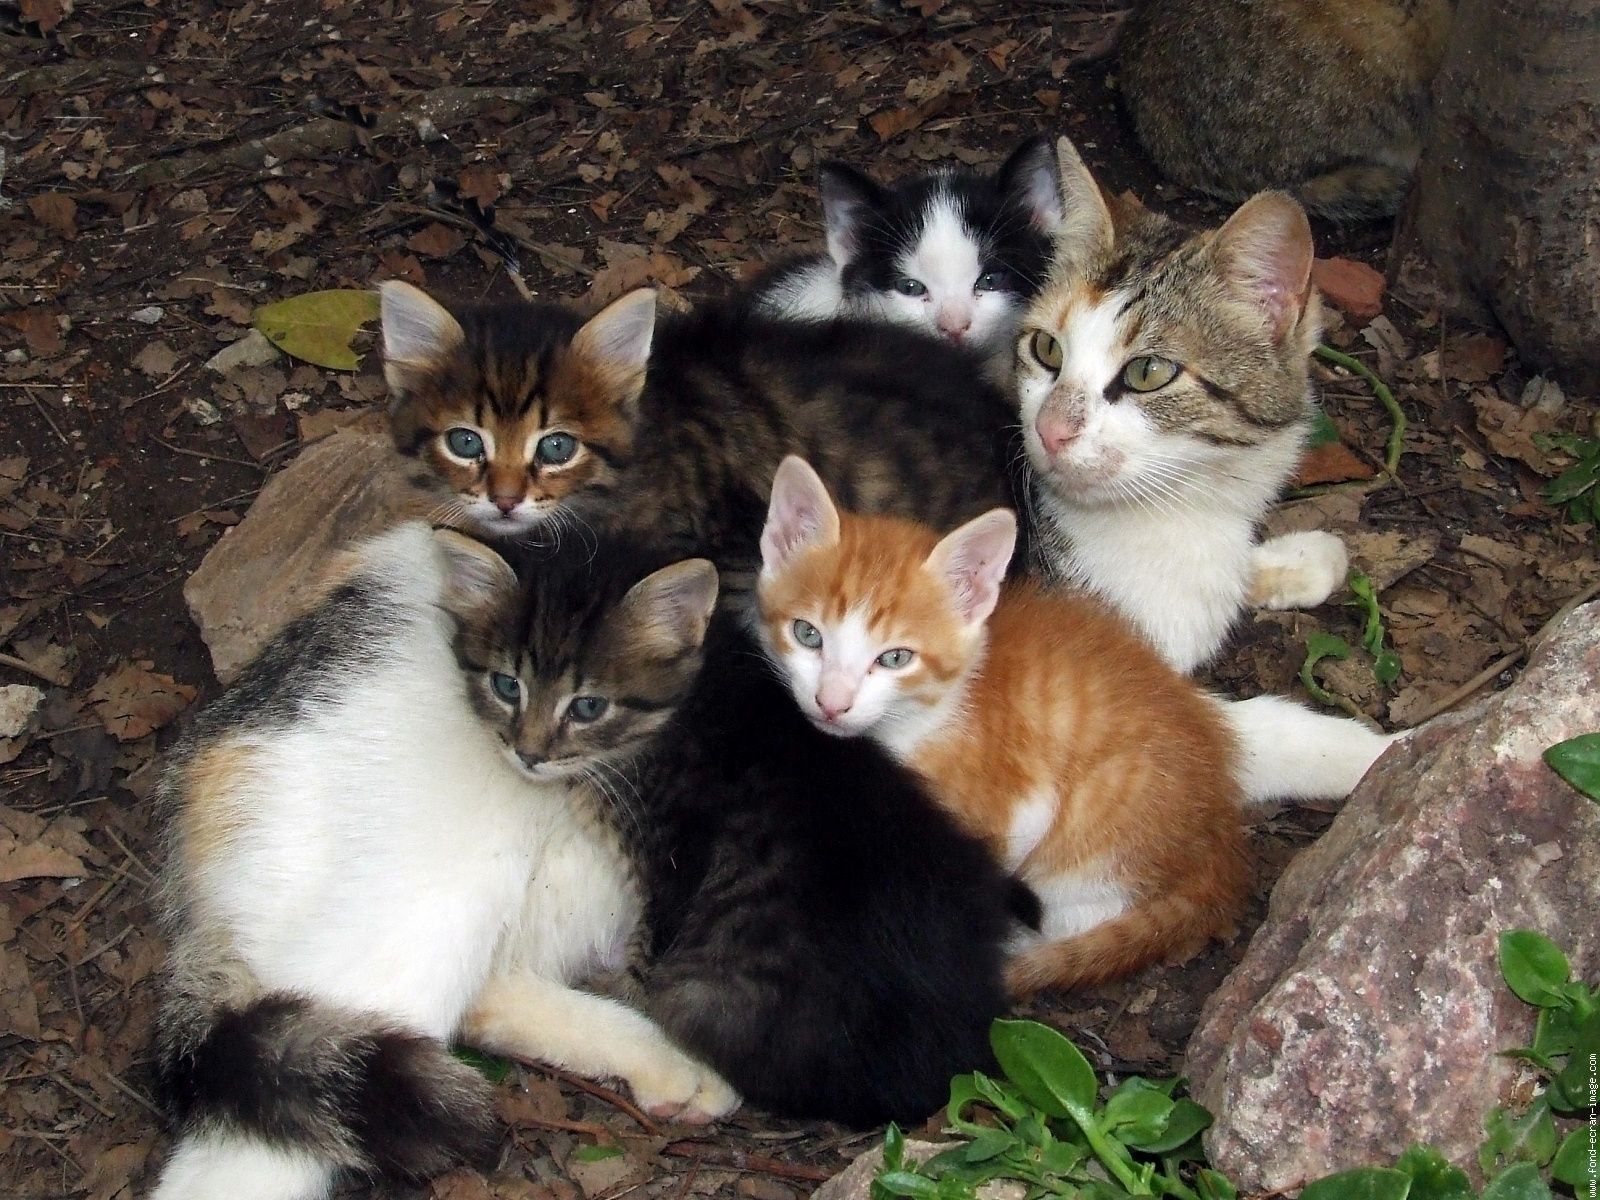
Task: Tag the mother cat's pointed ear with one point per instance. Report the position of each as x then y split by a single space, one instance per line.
1031 177
973 562
617 340
800 514
1264 251
668 612
418 332
850 199
476 577
1085 227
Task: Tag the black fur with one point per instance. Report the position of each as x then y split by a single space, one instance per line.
292 1073
821 933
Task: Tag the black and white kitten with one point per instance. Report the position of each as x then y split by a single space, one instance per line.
957 253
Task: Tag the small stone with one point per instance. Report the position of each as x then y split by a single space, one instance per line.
1544 396
252 350
19 355
18 704
203 411
151 314
1352 287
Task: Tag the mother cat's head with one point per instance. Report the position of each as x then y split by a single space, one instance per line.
511 410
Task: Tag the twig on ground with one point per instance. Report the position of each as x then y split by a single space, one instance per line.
599 1092
738 1160
1467 689
1397 417
27 668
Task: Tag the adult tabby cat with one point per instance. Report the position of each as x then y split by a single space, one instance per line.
526 420
955 253
1164 382
377 844
1326 99
1110 782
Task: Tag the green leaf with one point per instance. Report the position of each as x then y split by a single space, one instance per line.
1186 1121
1529 1136
907 1183
319 326
1534 968
1521 1182
1572 1163
1363 1183
894 1147
1319 646
1573 482
1433 1177
1049 1071
1323 431
591 1154
1577 760
1386 667
1213 1185
491 1068
988 1144
1136 1112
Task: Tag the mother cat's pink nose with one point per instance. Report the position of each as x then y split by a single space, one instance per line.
1057 430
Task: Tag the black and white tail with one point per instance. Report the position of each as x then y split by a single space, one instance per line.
273 1099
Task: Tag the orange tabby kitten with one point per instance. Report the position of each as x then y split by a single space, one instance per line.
1103 777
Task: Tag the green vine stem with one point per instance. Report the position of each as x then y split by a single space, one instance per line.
1397 417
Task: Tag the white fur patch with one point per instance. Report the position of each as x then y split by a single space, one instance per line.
1030 821
1289 752
1076 901
211 1164
1299 570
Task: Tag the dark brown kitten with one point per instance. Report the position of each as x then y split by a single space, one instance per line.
527 419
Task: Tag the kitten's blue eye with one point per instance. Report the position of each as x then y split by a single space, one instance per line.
897 658
807 634
588 708
989 281
910 287
507 687
556 448
464 443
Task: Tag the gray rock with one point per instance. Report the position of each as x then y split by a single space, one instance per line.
274 563
1367 1013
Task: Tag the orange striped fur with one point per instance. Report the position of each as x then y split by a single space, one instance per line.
1075 752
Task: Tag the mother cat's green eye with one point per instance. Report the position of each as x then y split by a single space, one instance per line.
507 687
1047 350
1147 373
807 634
464 443
556 448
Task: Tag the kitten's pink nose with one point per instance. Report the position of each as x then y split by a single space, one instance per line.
506 503
954 324
1057 429
834 698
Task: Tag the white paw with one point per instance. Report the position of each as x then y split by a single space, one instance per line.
677 1088
1298 570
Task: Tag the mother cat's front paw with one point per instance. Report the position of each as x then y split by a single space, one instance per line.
677 1088
1298 570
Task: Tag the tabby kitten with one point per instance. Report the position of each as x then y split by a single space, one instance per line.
820 932
377 844
1326 99
527 421
955 253
1164 385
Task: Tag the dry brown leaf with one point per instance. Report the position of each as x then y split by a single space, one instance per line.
47 14
892 122
483 183
111 1171
57 212
36 860
156 360
662 269
1510 431
1332 462
39 327
134 701
436 241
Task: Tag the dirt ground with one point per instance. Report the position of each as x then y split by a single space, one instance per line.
171 164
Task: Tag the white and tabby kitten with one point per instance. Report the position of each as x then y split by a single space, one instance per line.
376 846
956 253
1163 378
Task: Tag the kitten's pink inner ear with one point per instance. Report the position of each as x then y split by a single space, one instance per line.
848 200
973 562
1265 250
620 334
417 329
475 575
1030 173
800 514
674 605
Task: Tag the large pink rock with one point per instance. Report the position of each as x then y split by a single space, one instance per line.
1367 1013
